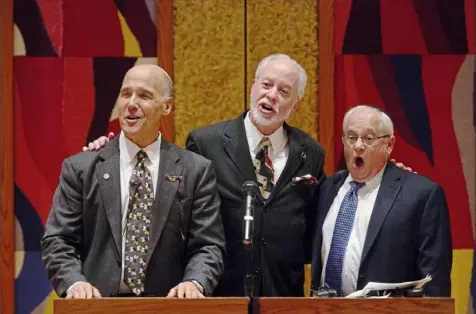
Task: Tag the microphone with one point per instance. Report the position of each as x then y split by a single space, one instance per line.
250 190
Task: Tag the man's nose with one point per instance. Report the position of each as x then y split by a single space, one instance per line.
133 102
359 144
272 94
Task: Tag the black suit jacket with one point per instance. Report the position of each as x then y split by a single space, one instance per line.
82 240
408 235
282 225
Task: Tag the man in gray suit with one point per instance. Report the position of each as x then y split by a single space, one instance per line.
141 217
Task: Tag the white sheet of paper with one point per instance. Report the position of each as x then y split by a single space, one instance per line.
389 286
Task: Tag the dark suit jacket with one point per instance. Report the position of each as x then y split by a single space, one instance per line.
408 235
282 225
82 240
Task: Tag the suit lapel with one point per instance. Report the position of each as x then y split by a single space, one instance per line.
108 176
236 146
165 193
294 162
330 195
386 197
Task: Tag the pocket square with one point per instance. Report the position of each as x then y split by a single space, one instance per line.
305 179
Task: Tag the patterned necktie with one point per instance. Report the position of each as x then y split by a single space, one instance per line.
264 168
340 238
141 198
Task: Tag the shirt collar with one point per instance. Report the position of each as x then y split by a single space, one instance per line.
278 139
129 150
372 183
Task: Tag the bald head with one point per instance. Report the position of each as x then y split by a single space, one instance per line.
384 122
156 77
143 100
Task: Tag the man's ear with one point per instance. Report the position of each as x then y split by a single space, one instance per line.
390 144
294 107
167 106
252 83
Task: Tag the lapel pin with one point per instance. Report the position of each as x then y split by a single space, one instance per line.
303 156
173 178
106 176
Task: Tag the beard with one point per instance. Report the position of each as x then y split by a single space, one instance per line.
260 120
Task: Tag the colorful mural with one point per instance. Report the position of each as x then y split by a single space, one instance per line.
70 57
416 60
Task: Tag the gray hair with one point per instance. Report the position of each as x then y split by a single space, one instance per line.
302 76
386 124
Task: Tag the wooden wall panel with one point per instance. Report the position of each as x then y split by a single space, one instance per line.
208 63
165 57
288 27
326 82
6 159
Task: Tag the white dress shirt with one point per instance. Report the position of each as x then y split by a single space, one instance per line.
279 150
366 200
128 160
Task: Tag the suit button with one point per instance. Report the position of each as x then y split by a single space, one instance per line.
257 273
263 241
119 263
265 209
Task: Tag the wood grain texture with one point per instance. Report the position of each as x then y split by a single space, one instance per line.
152 305
165 57
209 63
326 82
7 243
355 306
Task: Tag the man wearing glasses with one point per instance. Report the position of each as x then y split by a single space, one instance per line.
377 222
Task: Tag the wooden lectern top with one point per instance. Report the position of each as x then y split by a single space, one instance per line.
151 305
353 306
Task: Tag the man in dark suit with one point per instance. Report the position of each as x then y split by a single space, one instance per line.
141 216
377 222
288 166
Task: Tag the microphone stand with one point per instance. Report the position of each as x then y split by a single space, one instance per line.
248 242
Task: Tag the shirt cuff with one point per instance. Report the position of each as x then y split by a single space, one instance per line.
74 284
198 285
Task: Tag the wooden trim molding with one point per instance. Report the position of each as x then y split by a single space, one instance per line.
7 239
326 82
165 54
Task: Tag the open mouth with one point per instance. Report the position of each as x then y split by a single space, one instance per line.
267 108
359 162
132 118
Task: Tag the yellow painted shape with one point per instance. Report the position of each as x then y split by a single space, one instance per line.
131 45
49 302
461 278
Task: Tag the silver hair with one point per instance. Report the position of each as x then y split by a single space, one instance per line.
302 76
386 124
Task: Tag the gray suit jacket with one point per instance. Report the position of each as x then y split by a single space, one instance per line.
82 240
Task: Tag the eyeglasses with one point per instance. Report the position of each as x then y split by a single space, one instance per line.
369 140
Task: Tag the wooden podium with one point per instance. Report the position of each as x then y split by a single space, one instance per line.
353 306
151 305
